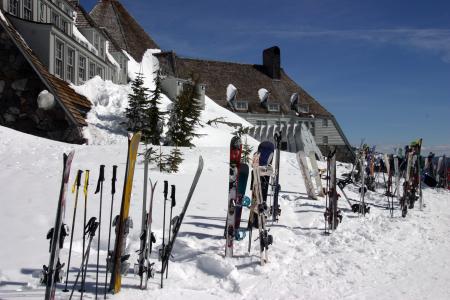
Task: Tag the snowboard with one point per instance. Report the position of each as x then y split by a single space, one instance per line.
54 267
242 187
304 170
178 220
123 222
265 150
235 159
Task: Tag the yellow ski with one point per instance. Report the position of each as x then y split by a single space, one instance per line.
119 263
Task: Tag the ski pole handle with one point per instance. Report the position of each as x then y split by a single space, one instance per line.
172 195
86 182
166 188
101 178
114 179
77 182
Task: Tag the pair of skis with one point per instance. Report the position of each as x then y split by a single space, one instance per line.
178 220
261 173
332 213
144 268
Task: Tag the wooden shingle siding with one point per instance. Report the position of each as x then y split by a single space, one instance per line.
334 138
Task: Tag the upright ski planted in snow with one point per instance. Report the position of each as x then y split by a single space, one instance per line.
235 159
51 274
178 220
304 170
119 260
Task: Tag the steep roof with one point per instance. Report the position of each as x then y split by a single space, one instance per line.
247 78
84 20
75 105
122 27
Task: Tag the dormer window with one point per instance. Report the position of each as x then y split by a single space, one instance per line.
273 107
303 108
242 105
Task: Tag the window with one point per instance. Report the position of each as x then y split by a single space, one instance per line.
55 19
303 108
82 69
27 10
312 128
42 9
96 37
99 71
241 105
70 65
261 122
102 50
65 26
91 70
325 140
14 7
273 107
324 122
59 59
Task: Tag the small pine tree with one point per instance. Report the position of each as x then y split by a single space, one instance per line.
246 152
154 120
174 160
137 102
184 116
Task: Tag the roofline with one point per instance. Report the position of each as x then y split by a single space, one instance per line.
339 129
43 79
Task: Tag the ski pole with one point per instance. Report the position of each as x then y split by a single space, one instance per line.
101 178
75 187
113 191
172 205
166 187
90 229
85 190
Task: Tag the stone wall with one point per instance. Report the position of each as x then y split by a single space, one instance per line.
19 90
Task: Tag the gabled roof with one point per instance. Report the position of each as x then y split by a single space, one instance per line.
247 78
75 105
84 20
122 27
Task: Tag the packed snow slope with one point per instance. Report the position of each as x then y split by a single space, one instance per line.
372 257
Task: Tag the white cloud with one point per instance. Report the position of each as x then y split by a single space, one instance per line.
433 39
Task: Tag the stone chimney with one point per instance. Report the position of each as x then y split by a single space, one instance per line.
271 62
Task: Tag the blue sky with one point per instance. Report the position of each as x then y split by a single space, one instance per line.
381 67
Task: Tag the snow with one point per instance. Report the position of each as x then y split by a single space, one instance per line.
79 37
109 103
263 94
231 92
111 58
45 100
372 257
3 17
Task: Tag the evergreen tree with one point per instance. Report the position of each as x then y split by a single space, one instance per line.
154 120
184 116
137 102
174 160
246 152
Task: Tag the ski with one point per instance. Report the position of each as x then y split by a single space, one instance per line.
123 222
304 170
276 211
52 272
241 200
148 267
316 173
139 267
99 189
178 220
235 159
